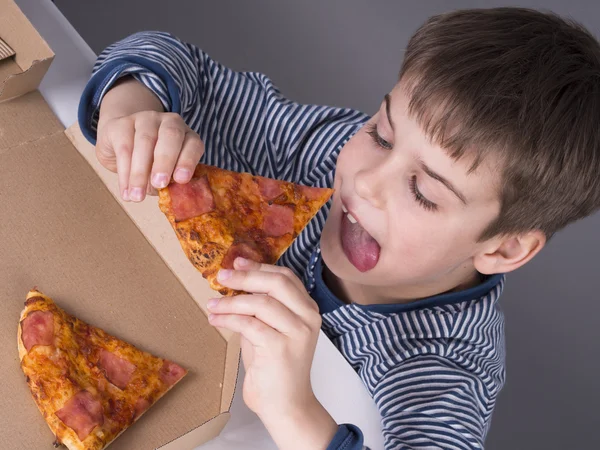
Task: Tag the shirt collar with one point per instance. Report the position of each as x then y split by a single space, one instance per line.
328 301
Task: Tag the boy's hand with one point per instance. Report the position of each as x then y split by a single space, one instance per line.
144 145
280 326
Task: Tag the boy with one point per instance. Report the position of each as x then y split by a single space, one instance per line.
486 146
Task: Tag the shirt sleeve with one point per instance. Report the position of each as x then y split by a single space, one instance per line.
244 121
431 402
348 437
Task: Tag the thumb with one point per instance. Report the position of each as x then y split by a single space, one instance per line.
105 152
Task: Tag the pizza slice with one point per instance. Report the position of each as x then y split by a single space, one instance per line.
220 215
88 385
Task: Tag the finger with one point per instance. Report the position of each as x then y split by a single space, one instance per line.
263 307
146 135
274 284
247 264
171 136
104 150
150 189
247 352
258 333
192 150
121 136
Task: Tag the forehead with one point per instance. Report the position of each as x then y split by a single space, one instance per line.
479 182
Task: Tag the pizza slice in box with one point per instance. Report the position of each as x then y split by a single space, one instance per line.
221 215
88 385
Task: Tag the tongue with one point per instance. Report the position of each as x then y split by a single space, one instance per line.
359 246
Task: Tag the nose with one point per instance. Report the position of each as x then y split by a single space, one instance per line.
370 184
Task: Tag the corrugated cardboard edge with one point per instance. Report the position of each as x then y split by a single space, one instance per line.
22 83
205 432
21 36
31 52
5 50
158 232
232 365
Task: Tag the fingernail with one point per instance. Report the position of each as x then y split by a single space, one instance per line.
160 180
125 194
224 274
241 261
212 302
211 317
135 194
182 175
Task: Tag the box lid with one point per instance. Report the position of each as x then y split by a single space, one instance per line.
64 232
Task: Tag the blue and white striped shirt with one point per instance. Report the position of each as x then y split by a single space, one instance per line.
434 366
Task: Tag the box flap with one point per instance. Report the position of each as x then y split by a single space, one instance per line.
160 234
155 227
63 232
22 121
32 55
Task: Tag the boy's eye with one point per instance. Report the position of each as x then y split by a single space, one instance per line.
379 141
428 205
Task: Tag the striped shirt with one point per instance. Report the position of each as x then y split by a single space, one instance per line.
434 366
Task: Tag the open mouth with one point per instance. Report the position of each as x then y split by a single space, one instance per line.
361 249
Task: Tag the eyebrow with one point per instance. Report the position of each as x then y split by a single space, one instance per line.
388 102
436 176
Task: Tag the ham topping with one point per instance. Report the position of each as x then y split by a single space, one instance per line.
269 188
116 369
141 405
37 329
278 220
191 199
170 373
82 413
243 250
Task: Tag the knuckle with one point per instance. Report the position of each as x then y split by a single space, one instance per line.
149 115
281 281
252 324
123 148
146 137
305 330
317 321
172 131
194 148
286 271
196 143
112 124
173 116
263 301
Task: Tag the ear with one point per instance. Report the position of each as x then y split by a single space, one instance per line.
508 253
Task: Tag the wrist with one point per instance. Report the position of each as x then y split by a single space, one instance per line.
306 425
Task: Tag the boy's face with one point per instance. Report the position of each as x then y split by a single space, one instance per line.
414 214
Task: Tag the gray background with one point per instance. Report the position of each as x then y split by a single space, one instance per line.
347 53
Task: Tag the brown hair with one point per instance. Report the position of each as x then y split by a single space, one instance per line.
523 86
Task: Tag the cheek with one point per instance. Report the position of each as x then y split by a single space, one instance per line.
354 155
424 244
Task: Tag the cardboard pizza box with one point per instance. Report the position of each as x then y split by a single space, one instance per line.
117 266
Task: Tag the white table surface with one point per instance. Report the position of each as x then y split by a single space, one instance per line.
335 383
